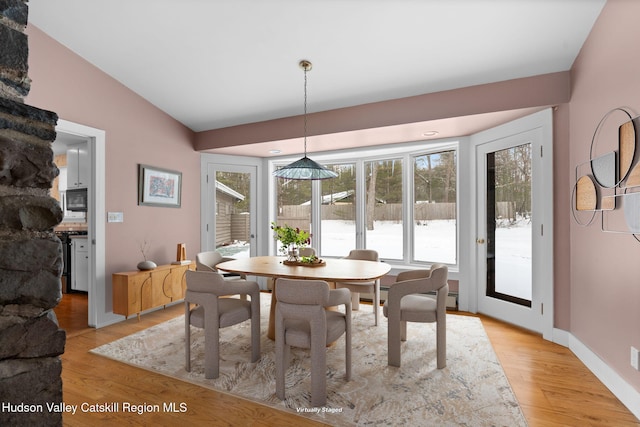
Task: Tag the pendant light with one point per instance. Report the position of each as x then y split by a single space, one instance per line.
305 168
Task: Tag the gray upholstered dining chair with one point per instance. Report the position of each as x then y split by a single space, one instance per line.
302 320
305 251
208 290
406 302
208 260
356 288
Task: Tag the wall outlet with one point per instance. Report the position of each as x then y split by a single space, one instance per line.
635 355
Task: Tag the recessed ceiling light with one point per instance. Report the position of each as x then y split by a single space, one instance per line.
430 133
274 151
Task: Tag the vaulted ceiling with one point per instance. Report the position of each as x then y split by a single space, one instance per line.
212 64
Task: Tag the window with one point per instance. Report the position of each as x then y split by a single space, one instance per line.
383 212
400 201
434 207
338 213
294 204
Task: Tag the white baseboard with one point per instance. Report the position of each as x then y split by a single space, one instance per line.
561 337
626 393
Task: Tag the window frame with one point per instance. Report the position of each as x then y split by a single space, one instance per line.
405 151
411 206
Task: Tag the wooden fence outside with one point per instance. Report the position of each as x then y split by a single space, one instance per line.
300 216
240 227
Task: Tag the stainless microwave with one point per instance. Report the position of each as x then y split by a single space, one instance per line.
77 200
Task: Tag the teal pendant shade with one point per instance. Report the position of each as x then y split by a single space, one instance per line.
305 168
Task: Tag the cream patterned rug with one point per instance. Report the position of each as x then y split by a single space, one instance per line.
471 391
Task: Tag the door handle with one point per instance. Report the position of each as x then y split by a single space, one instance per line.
480 241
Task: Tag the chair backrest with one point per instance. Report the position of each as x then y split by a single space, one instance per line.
307 251
413 274
204 281
302 292
206 261
424 273
363 254
435 277
303 300
439 275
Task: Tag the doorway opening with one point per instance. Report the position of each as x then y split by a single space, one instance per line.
514 228
92 265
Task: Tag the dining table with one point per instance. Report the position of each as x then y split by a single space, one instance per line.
330 270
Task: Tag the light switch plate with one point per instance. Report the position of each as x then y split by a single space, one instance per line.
115 217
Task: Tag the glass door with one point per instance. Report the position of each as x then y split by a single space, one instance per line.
232 221
513 263
508 227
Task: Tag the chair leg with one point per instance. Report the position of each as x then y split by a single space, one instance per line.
187 337
355 300
393 342
441 344
255 330
280 357
318 374
403 330
347 345
211 352
282 353
376 301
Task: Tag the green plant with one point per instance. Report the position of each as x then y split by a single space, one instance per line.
309 259
289 236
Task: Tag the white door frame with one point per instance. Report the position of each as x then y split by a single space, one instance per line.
95 222
542 151
209 165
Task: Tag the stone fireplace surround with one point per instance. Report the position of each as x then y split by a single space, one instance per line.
30 253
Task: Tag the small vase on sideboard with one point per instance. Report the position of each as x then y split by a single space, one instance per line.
146 265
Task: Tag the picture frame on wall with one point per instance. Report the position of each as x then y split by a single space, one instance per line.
159 187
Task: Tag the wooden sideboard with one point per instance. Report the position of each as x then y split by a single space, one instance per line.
137 291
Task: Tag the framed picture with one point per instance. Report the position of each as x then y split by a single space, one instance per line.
159 187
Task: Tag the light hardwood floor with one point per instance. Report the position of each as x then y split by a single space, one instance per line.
552 386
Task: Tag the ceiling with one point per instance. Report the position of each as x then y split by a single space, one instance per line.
211 64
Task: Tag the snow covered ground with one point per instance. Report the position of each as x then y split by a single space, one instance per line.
435 241
513 260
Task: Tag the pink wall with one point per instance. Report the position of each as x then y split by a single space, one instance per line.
136 132
604 267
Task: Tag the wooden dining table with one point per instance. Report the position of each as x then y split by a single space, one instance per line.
333 270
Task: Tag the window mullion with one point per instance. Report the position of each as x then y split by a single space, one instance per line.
360 205
316 215
407 209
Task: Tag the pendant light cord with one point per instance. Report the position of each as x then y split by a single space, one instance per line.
305 111
305 168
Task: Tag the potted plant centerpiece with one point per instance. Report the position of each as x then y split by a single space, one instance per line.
291 240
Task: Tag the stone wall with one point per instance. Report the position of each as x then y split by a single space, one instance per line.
30 253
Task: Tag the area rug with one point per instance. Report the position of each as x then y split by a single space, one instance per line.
471 391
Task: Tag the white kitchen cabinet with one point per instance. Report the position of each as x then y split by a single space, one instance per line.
80 264
78 165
